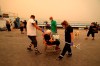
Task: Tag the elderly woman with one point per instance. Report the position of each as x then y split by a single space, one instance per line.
49 39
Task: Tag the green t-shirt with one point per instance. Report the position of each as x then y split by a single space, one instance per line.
53 26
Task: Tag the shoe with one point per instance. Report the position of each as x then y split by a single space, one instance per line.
37 52
29 49
59 58
69 54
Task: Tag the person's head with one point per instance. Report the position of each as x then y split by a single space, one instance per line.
92 24
64 24
32 16
51 18
48 32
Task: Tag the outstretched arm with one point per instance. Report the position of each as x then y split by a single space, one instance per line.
37 27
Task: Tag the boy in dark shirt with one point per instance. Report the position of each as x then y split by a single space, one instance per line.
68 39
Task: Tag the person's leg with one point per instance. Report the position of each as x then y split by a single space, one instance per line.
69 50
93 36
34 41
22 30
88 35
8 26
57 42
65 49
29 48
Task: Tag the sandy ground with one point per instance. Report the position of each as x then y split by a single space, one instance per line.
13 50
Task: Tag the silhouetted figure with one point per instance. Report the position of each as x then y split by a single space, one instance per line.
47 25
8 25
21 27
91 30
25 23
15 25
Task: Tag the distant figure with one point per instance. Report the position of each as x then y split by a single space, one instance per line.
15 24
18 21
47 25
25 23
91 31
11 23
31 32
68 40
8 25
21 27
53 25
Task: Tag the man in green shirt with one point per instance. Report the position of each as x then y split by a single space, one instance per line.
53 25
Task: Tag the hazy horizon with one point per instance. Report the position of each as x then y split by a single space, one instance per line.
70 10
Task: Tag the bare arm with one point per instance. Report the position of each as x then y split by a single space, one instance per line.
37 27
72 36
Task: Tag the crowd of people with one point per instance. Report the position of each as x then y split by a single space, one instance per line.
31 27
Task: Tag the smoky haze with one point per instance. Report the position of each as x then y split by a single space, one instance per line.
70 10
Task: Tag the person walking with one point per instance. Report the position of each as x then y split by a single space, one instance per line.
25 23
21 27
68 40
31 32
91 31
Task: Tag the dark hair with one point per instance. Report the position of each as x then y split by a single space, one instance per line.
32 16
64 23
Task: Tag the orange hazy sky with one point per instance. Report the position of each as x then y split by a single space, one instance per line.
70 10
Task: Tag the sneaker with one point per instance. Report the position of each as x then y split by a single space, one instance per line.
37 52
29 49
69 54
59 58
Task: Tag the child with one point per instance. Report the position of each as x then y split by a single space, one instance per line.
68 39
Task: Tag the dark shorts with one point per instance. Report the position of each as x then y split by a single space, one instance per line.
33 40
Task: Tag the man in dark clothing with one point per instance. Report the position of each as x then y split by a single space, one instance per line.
68 39
8 25
92 28
25 23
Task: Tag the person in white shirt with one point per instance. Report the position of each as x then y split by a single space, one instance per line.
31 32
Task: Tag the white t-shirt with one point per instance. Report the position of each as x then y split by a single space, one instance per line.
31 30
